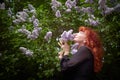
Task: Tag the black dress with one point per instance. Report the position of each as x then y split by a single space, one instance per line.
79 67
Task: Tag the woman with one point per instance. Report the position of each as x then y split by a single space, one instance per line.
86 61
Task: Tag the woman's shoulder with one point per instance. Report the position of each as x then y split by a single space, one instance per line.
86 49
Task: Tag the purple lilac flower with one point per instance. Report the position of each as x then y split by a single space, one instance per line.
68 10
87 10
108 10
35 33
74 2
67 35
36 23
77 9
102 4
73 51
89 1
24 31
55 3
23 49
2 6
54 8
58 14
30 6
26 10
32 9
74 48
29 53
92 22
68 4
26 51
9 12
48 36
16 21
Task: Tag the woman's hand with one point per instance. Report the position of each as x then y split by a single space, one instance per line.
65 47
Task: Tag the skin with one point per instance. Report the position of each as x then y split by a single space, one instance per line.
80 38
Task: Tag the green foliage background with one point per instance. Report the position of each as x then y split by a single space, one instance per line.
44 64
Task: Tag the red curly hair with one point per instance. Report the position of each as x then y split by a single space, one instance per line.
94 43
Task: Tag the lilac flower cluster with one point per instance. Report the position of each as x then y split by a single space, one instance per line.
105 9
69 4
74 48
92 21
58 14
55 4
26 51
67 35
35 33
30 35
10 13
23 16
31 9
48 36
89 1
88 10
2 6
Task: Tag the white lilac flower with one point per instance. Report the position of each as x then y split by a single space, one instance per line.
2 6
67 35
9 12
36 23
89 1
58 14
48 36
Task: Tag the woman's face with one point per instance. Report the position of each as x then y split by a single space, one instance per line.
79 37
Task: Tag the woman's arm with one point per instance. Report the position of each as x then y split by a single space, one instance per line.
79 57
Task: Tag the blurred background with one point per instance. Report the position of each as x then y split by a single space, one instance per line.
30 29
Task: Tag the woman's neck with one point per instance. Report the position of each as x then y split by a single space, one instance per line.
81 44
